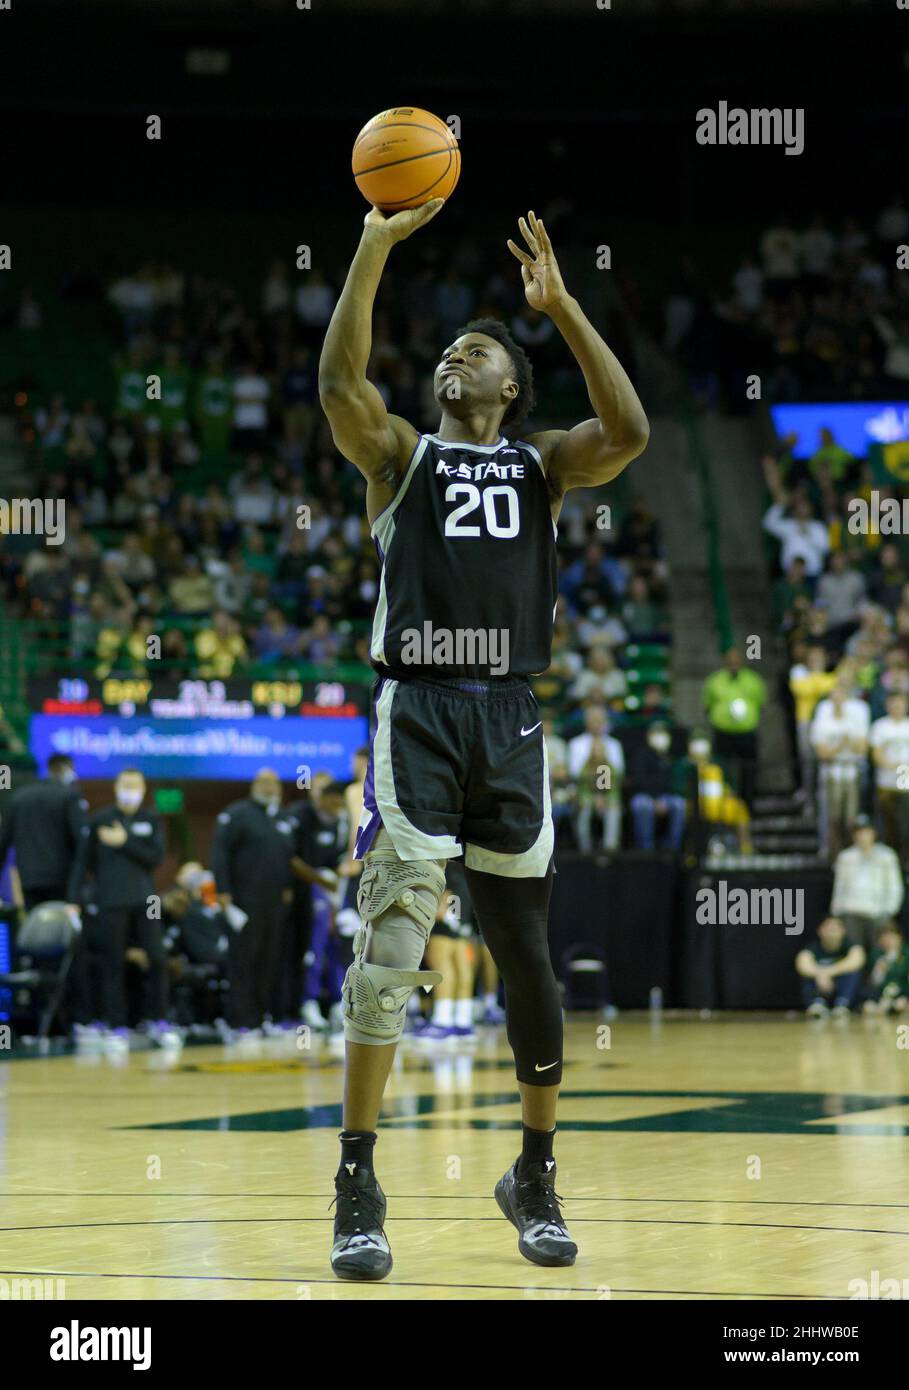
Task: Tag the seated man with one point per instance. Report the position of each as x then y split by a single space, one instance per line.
653 783
888 979
596 763
831 971
717 811
197 927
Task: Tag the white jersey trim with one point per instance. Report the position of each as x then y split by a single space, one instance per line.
474 448
409 842
383 531
384 517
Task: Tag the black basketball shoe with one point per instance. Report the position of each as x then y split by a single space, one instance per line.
360 1250
531 1203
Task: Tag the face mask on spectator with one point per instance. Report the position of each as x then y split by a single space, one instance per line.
659 741
129 800
699 750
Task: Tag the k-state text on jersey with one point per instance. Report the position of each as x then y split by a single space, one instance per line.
480 470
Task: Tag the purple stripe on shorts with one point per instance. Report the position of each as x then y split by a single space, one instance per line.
368 832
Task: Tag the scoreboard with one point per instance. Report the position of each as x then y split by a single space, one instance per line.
203 729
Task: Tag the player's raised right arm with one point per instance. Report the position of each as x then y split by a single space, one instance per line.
375 442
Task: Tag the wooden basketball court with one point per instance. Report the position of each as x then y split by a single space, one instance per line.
744 1157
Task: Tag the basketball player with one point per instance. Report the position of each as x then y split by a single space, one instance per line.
464 521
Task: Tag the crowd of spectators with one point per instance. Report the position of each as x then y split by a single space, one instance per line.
819 310
213 531
841 600
859 956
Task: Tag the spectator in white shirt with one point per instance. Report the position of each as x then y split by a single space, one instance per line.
748 284
600 628
889 739
276 289
601 679
799 534
254 504
867 886
596 764
839 736
314 304
780 253
251 392
895 335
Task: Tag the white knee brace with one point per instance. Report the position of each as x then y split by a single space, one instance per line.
397 900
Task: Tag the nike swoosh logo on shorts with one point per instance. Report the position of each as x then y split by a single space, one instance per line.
524 731
537 1067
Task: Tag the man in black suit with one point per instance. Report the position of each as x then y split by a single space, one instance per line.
251 859
121 847
43 825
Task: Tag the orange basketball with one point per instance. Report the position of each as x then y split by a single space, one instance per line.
404 157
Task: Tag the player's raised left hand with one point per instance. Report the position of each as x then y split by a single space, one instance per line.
543 284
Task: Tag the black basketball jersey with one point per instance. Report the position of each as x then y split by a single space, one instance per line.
469 573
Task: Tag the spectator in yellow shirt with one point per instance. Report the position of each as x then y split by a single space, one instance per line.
718 805
220 647
809 682
107 648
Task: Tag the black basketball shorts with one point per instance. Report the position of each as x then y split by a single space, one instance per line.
459 767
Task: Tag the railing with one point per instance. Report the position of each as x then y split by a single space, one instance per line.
697 459
668 391
12 673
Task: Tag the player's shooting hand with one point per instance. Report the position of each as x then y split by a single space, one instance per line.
543 284
399 225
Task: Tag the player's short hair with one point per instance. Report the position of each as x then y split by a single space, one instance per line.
58 761
524 401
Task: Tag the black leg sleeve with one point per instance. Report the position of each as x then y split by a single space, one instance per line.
513 914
